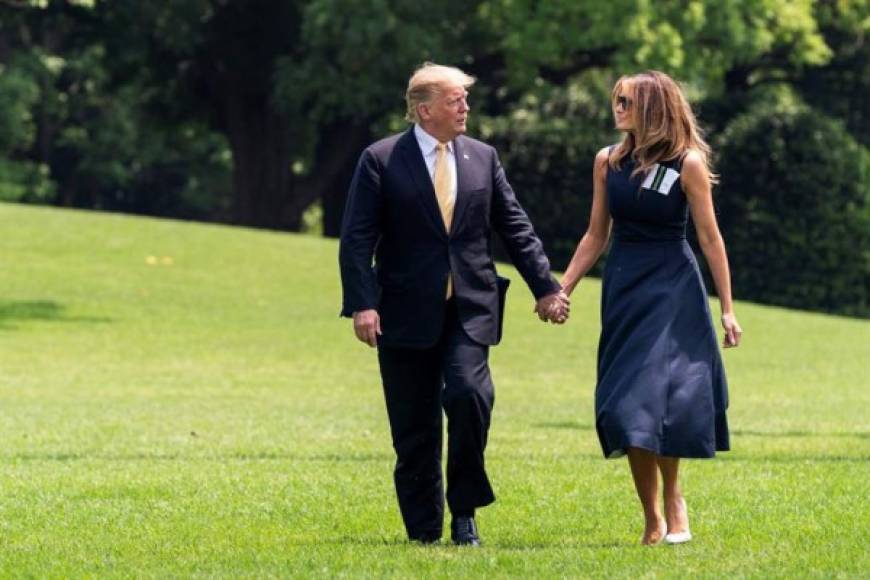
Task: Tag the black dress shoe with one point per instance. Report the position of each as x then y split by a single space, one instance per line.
463 532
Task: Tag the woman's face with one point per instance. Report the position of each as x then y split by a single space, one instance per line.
622 106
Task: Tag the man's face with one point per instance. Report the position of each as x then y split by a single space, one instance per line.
445 116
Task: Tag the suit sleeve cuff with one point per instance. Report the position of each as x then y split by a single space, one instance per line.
542 289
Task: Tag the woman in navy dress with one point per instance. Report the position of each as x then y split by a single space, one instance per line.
661 393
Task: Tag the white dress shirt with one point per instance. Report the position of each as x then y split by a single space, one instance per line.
429 147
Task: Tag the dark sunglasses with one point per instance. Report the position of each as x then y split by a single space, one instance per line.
624 102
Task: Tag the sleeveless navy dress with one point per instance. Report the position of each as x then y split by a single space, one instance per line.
661 385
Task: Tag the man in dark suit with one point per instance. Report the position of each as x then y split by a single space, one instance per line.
424 203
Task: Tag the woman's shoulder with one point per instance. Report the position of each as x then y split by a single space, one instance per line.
605 152
694 172
602 157
692 158
692 163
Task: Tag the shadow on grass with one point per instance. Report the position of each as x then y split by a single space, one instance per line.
786 434
265 456
327 457
558 542
577 425
379 457
446 544
366 541
795 458
12 311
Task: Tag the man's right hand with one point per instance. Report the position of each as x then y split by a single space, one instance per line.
367 326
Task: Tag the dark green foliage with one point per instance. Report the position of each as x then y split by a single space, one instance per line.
25 181
251 111
21 179
794 209
78 129
547 147
840 88
112 149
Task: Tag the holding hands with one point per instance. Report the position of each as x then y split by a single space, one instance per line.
554 308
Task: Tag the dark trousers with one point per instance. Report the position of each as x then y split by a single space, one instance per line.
418 383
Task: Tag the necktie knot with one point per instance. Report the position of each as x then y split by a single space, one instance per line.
442 147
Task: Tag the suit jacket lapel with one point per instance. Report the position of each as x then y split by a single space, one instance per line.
420 175
463 175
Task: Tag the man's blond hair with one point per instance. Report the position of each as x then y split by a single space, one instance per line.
429 81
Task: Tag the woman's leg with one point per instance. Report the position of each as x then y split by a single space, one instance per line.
644 470
676 512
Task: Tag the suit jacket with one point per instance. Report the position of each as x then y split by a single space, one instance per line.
392 214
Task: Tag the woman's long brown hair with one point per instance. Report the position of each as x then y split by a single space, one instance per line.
664 125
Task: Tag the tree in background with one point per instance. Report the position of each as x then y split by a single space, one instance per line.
297 88
96 134
551 135
840 88
21 179
252 111
294 87
795 203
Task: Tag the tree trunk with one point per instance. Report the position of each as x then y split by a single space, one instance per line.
333 193
262 177
266 192
236 64
334 199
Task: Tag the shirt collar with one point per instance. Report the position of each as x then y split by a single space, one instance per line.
427 142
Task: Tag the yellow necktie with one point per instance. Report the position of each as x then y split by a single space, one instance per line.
443 181
442 178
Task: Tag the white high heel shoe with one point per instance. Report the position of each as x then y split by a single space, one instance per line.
678 538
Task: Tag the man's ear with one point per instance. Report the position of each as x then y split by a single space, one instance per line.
423 111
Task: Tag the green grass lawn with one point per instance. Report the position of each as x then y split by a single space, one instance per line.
183 400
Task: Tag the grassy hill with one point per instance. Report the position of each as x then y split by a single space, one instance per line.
181 399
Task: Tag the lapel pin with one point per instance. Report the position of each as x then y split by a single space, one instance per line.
464 156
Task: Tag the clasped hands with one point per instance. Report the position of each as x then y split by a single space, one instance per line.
554 308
